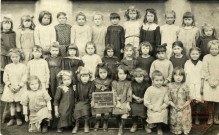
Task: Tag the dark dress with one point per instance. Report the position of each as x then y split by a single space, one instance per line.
145 63
64 99
138 89
130 64
115 36
178 62
102 86
111 61
83 97
202 43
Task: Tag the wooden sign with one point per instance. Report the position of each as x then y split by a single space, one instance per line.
103 99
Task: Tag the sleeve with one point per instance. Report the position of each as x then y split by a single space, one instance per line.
129 93
205 69
24 77
157 36
25 99
18 39
37 36
57 97
89 33
76 93
73 34
47 75
169 93
6 79
99 59
170 72
52 35
166 100
107 38
198 43
122 38
197 36
114 89
141 35
147 101
187 93
92 88
28 68
152 68
46 96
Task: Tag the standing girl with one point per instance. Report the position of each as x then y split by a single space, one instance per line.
25 36
64 100
123 96
44 34
211 74
81 33
102 84
115 35
15 77
188 33
178 59
208 34
91 59
82 99
150 31
139 86
37 100
180 109
39 67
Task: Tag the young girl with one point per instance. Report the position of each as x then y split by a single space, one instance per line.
211 74
169 31
132 27
139 86
44 34
91 59
115 35
178 59
156 100
188 33
81 33
208 34
110 59
180 109
162 64
99 33
102 84
25 36
15 77
37 101
150 31
63 32
39 67
64 100
123 95
82 99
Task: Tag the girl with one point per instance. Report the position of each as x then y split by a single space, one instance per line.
99 33
194 77
178 59
169 31
64 100
132 27
82 99
110 59
39 67
81 33
115 35
44 34
63 32
139 86
15 77
211 81
208 34
102 84
129 58
25 36
123 96
156 101
180 109
91 59
37 101
150 31
188 33
162 64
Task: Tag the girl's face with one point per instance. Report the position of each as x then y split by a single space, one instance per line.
6 26
194 55
177 50
208 32
178 78
132 15
72 52
114 21
110 52
90 49
27 23
129 52
214 49
170 19
15 58
150 17
121 75
81 20
85 78
46 19
54 51
161 55
36 54
34 85
102 73
158 81
139 79
188 21
145 50
62 19
98 20
66 80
